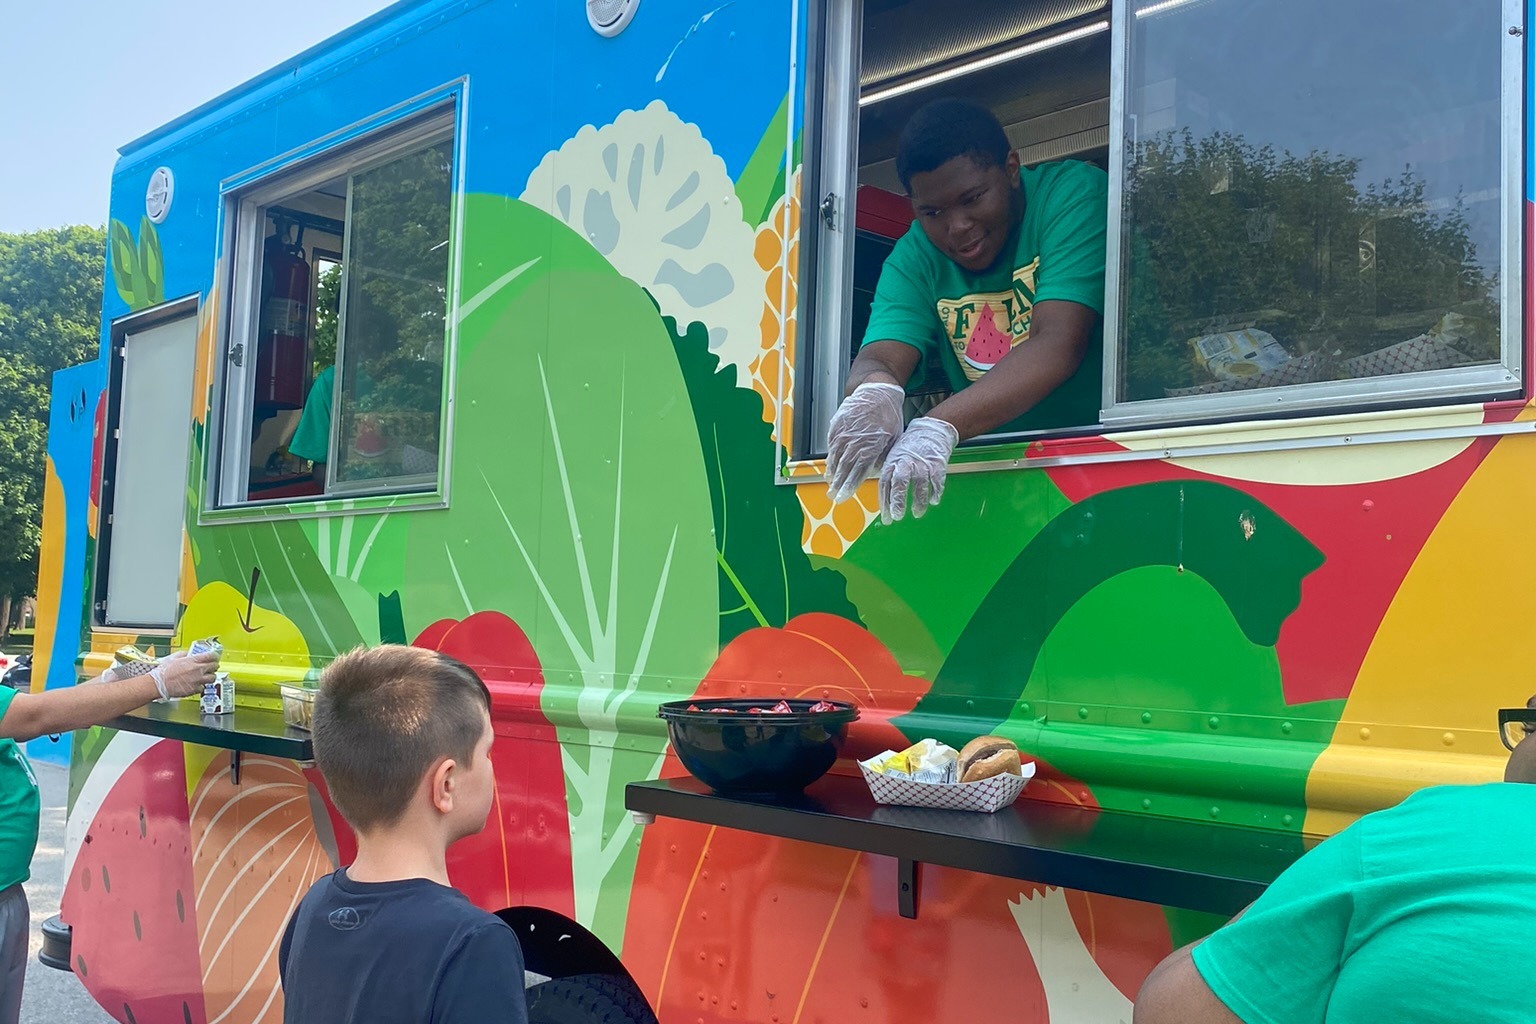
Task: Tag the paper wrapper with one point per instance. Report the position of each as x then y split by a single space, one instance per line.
986 796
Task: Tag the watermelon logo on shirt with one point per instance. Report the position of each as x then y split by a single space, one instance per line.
986 345
984 327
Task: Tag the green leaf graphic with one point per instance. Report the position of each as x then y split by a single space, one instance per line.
761 181
766 579
581 510
124 261
1253 558
151 262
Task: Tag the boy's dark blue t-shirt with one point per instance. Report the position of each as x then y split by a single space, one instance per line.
411 951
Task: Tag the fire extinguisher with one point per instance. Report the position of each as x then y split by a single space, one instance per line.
282 350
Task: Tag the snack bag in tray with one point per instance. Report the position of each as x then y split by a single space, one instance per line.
986 776
926 761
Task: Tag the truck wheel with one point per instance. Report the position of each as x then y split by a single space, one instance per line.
588 999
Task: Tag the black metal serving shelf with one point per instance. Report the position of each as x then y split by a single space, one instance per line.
248 730
1195 865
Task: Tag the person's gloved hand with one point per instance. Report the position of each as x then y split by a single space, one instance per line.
919 460
863 430
182 674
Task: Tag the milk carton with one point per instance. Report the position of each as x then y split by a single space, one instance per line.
218 696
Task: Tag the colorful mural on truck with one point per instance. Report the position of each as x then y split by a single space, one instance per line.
1272 640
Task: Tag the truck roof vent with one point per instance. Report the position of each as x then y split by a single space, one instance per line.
610 17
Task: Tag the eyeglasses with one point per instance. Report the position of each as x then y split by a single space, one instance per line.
1515 724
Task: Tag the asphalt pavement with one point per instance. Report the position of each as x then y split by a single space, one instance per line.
52 997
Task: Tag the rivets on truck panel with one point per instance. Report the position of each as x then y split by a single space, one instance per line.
1214 722
1286 727
1215 812
1082 712
1449 739
1365 732
1146 803
1146 718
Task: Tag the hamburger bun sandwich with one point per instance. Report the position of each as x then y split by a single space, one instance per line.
986 756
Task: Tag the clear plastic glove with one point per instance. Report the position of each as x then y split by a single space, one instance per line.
863 430
182 674
919 460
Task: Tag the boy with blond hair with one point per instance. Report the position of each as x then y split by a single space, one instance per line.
403 738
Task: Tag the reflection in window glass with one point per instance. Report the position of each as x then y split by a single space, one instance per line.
393 322
1313 192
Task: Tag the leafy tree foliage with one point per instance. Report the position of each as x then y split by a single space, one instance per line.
50 311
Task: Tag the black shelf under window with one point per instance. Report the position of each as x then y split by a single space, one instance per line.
1196 865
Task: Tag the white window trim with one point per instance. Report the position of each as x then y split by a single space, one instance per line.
230 470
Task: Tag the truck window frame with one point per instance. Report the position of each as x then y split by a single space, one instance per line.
424 121
830 180
1505 379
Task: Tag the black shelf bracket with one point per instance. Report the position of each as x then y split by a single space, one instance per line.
908 873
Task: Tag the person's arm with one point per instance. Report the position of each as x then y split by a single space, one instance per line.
483 981
30 715
1175 993
882 362
1278 961
1058 340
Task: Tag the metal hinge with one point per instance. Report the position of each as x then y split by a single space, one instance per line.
829 210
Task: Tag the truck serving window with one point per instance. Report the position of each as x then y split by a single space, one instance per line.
1319 206
338 329
1302 216
1041 66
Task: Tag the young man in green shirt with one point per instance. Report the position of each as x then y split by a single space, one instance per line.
1412 915
1001 276
26 716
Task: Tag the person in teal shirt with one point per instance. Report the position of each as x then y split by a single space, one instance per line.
1001 278
312 436
1415 914
26 716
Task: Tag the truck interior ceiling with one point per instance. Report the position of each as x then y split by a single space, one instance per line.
1042 66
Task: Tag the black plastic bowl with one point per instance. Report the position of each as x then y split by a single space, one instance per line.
762 754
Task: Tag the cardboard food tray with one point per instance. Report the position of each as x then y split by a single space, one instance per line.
986 796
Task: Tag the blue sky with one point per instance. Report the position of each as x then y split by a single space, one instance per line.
78 78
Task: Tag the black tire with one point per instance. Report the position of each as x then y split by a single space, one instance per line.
588 999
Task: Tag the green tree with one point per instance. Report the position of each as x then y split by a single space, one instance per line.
50 309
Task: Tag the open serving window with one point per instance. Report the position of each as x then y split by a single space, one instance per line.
1312 207
335 381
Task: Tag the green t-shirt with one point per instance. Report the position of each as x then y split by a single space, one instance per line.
1420 913
312 437
924 299
19 807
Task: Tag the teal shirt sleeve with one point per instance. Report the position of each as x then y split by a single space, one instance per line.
1277 964
903 308
312 437
1073 238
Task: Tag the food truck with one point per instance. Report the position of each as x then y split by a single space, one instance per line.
514 330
